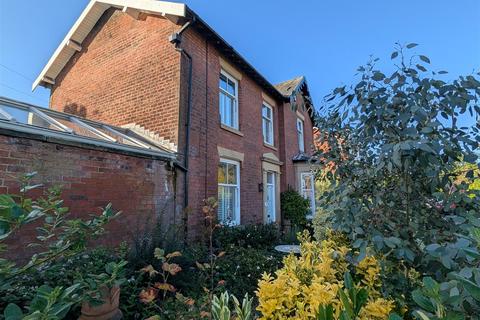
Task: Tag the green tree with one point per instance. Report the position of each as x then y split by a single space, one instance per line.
395 142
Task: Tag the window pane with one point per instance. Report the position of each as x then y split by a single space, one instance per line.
231 112
223 82
307 181
78 129
232 174
117 137
20 115
222 107
227 112
269 177
264 129
227 102
231 87
222 173
301 146
27 117
227 204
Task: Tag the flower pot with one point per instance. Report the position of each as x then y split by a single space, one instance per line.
107 311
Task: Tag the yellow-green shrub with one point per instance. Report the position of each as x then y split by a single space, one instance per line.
315 278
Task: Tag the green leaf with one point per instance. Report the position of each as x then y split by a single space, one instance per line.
424 59
431 284
394 316
13 312
346 303
394 55
378 76
411 45
470 286
420 315
421 68
422 301
159 253
470 157
325 312
348 280
61 309
30 187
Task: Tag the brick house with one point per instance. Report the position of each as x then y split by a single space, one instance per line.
157 69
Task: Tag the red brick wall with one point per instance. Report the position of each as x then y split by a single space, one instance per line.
141 188
127 72
290 145
207 134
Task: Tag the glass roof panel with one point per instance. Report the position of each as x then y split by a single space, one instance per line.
17 112
25 116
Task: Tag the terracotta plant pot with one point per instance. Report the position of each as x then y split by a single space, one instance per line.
107 311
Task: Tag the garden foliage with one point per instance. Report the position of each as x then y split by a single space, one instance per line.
395 142
318 283
294 207
58 238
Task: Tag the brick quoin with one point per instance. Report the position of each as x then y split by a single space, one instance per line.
142 188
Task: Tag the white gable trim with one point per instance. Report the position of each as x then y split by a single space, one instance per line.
85 23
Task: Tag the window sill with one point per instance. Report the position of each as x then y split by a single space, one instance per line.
270 146
232 130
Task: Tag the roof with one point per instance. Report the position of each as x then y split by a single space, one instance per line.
291 87
87 20
177 12
287 88
20 117
301 157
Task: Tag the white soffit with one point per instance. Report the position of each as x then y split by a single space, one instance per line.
85 23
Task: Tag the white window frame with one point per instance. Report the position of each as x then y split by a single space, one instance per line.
274 195
234 97
237 195
265 119
300 135
312 192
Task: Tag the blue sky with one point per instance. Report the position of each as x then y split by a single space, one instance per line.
324 40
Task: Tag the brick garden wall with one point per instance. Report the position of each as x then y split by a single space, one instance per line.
142 188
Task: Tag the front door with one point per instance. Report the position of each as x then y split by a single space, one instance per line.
270 209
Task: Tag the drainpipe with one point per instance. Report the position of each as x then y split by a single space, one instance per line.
176 38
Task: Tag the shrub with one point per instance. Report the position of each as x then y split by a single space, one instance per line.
58 237
153 234
241 268
221 308
62 273
395 144
252 236
294 207
319 280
